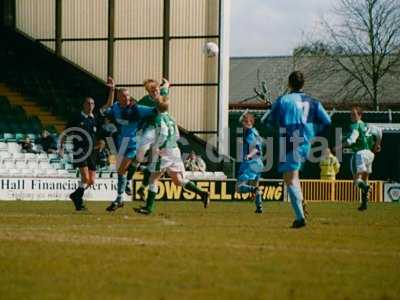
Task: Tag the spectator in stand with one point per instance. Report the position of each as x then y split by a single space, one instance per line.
195 163
27 146
102 154
48 142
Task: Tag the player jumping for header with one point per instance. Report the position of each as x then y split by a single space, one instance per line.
299 118
146 134
166 157
127 137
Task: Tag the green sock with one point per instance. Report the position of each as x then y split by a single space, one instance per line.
151 197
146 177
362 185
190 186
131 171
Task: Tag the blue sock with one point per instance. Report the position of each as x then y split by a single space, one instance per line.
245 188
296 197
121 184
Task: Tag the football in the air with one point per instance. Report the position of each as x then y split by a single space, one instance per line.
211 49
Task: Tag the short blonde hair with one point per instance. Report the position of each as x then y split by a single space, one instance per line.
249 116
149 81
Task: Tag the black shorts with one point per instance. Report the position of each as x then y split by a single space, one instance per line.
89 162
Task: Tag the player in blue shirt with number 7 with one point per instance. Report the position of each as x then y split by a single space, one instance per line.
300 118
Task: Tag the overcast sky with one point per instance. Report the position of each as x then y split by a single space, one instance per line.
273 27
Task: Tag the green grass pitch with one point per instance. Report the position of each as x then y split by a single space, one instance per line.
47 251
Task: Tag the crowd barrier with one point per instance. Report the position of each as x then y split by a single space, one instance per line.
339 190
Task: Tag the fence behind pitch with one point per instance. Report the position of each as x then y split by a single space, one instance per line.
338 190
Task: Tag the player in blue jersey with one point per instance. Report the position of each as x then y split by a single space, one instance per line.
126 141
299 118
251 166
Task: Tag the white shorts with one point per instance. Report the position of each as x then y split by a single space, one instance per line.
361 161
146 139
168 160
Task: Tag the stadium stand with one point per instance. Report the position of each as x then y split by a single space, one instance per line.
50 90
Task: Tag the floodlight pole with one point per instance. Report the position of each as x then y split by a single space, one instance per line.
224 63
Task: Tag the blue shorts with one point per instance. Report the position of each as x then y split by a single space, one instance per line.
129 151
294 160
250 170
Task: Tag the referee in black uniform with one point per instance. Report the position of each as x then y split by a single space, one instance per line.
83 129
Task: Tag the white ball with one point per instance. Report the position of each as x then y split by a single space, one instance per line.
211 49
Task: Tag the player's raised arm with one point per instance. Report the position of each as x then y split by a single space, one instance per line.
164 88
111 94
136 112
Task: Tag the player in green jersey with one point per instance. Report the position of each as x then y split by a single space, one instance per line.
166 157
365 141
146 134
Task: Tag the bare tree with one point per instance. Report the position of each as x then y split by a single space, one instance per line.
363 45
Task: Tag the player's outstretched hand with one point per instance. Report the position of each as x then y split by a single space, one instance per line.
110 82
165 83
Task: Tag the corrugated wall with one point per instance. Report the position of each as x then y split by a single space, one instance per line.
85 19
139 18
189 64
138 52
36 18
136 60
91 55
194 17
195 108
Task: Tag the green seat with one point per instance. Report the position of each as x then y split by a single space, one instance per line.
19 136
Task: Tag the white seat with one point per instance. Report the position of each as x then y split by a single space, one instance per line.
18 155
43 156
3 146
44 165
4 172
5 155
14 172
32 164
69 166
13 147
30 156
39 173
8 164
57 166
27 172
53 156
63 173
37 147
20 164
68 147
105 174
51 173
